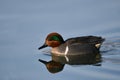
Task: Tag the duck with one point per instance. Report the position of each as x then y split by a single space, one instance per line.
72 46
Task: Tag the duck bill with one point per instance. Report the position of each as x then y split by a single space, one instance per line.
43 46
42 61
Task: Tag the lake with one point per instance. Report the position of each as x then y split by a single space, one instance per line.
25 24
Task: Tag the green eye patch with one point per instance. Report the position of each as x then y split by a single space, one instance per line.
56 38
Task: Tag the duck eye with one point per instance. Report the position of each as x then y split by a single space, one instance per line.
54 38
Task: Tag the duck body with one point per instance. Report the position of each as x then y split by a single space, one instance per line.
73 46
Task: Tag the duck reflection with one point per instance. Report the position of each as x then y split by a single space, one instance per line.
58 62
53 66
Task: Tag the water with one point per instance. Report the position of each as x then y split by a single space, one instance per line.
25 24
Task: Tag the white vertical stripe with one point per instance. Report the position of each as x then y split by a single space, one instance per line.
66 50
67 59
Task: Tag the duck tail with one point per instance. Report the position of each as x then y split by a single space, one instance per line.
98 45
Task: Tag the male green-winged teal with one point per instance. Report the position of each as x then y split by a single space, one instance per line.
72 46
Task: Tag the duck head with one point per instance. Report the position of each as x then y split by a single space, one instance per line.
53 40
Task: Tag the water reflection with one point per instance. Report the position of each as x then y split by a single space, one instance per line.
53 66
57 63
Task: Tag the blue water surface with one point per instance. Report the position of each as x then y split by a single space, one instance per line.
24 25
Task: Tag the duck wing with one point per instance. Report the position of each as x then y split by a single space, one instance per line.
95 40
